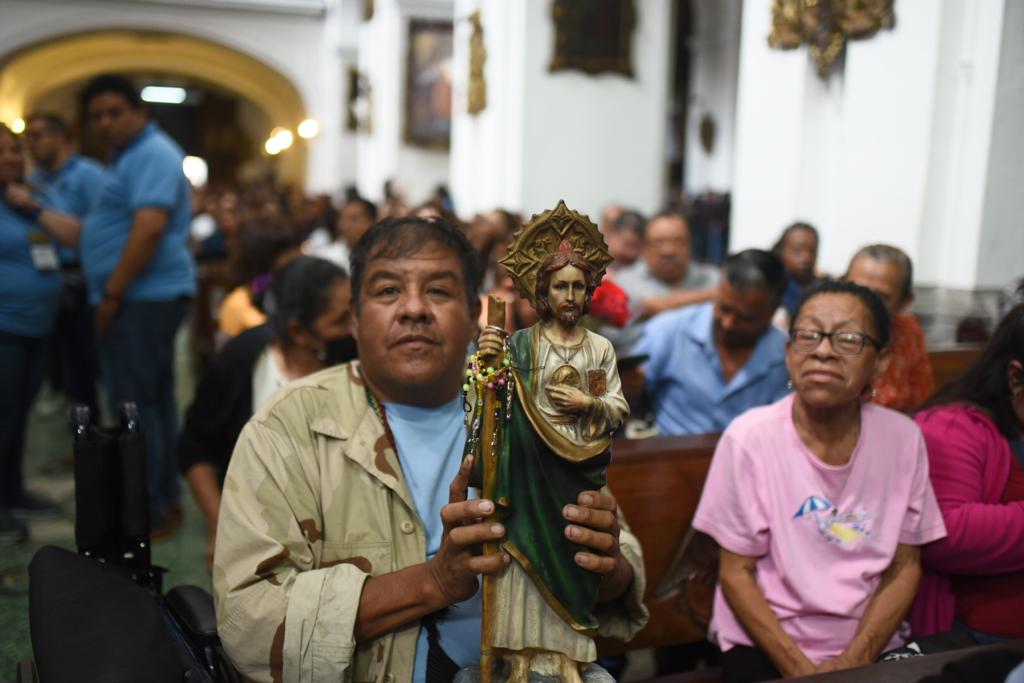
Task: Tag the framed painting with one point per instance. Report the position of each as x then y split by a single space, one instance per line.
593 36
428 89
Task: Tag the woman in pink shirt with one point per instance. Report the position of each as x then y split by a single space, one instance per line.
819 502
973 427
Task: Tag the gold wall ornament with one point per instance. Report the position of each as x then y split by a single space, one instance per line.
825 26
593 36
539 239
477 94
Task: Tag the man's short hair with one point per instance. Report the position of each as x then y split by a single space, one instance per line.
54 122
398 237
755 269
886 253
630 220
112 83
369 207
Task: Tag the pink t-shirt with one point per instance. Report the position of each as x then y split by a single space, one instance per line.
823 534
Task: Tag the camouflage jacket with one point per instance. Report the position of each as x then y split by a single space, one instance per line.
314 503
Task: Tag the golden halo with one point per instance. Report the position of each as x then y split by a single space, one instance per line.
536 241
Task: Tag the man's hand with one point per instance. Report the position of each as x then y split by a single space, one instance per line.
20 197
455 566
490 345
594 524
106 309
569 399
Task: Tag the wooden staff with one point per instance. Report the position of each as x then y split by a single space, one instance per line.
490 451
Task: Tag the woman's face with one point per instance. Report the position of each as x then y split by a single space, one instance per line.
822 377
12 163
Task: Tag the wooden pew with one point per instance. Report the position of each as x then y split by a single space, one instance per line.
948 363
657 483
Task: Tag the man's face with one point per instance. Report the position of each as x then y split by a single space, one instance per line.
44 143
624 246
799 254
566 294
11 162
414 325
884 278
353 222
667 248
741 316
115 119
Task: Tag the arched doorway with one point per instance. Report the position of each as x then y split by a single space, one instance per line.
49 74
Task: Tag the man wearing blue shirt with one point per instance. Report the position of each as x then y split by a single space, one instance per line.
61 177
709 362
140 274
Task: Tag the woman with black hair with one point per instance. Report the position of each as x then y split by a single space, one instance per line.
974 427
309 328
820 503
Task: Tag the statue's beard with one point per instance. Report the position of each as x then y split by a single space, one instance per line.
568 314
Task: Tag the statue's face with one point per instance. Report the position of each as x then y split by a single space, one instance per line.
567 294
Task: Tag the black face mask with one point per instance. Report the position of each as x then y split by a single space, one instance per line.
338 350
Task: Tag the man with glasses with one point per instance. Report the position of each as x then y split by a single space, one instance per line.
710 362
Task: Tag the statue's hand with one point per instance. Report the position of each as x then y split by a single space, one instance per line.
569 399
455 566
594 524
491 343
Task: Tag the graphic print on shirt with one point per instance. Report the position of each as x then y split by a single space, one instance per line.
833 526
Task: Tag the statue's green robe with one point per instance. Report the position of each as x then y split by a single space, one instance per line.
540 471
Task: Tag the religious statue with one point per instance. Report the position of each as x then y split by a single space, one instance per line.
546 401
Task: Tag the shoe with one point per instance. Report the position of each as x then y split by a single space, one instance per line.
12 530
30 506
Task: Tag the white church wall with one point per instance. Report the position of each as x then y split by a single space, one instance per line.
894 147
590 140
383 153
714 69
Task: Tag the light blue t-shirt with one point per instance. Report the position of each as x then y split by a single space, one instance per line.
28 295
145 175
684 373
74 186
431 443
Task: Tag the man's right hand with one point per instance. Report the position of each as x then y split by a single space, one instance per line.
458 562
490 345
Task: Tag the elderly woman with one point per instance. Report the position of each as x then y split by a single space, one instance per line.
30 286
974 429
819 502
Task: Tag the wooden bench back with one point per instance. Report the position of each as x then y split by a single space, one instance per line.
657 483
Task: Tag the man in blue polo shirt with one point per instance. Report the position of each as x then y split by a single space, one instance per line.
62 177
140 274
709 362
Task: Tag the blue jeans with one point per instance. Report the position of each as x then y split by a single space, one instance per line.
137 355
22 363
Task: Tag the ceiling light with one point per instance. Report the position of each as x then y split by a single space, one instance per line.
309 128
160 94
18 126
272 146
283 136
195 170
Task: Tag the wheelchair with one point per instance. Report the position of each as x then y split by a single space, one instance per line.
100 614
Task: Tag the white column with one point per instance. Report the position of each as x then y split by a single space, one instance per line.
383 154
894 147
714 68
590 140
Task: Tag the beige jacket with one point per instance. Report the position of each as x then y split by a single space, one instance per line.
315 503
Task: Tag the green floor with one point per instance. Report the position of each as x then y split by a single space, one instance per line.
48 472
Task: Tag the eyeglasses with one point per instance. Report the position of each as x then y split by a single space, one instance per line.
843 343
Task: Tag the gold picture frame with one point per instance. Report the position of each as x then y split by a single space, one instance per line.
593 36
428 86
